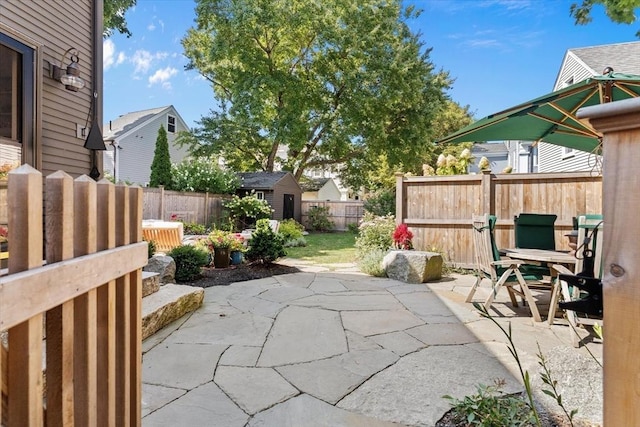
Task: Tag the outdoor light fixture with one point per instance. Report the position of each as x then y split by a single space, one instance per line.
71 78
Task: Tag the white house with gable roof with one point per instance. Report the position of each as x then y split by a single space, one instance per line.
131 141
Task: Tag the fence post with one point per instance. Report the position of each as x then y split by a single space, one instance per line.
206 208
486 193
161 216
400 205
620 124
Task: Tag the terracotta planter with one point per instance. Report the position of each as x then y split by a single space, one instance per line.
221 258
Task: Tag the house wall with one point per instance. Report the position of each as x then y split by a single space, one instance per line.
552 158
135 158
329 191
51 28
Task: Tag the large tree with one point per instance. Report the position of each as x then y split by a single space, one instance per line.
620 11
114 11
329 81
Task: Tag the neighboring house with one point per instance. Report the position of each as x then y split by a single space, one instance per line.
523 156
319 189
496 152
131 141
44 123
579 64
280 189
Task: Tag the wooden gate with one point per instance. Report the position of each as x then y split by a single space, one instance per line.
82 304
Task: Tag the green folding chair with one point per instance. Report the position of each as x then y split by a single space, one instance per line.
535 231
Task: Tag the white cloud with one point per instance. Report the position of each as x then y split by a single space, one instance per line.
121 58
162 77
108 53
161 23
142 61
151 27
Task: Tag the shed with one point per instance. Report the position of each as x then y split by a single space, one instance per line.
280 189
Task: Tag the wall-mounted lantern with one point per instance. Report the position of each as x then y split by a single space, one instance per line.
69 77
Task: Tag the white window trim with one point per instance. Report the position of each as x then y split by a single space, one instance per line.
568 153
259 195
169 116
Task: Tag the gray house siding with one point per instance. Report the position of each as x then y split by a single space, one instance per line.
133 160
287 185
274 185
50 31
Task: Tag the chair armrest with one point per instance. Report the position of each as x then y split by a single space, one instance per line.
561 269
507 262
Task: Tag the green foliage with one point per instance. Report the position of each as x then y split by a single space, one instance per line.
371 263
375 233
290 229
193 228
265 245
203 174
295 243
490 407
161 165
319 218
151 248
353 228
333 80
189 260
114 11
245 211
553 391
452 165
381 203
622 12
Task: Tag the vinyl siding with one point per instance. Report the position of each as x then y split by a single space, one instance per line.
55 26
135 158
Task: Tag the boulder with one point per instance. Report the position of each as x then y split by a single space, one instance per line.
171 302
413 266
164 265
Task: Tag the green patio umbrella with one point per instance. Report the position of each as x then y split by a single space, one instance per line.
552 118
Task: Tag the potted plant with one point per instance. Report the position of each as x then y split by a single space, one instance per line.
220 243
4 246
237 249
402 237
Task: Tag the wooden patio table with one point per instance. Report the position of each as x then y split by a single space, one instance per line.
544 257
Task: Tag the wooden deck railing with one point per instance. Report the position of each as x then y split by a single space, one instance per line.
85 299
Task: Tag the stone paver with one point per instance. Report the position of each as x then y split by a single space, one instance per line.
303 334
254 389
338 348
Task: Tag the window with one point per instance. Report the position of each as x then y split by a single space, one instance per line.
567 152
171 124
568 82
260 195
16 100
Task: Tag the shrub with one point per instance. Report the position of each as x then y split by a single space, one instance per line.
319 218
161 165
203 174
293 243
381 203
353 228
246 211
490 407
402 237
290 229
151 248
189 260
371 263
266 246
375 232
193 228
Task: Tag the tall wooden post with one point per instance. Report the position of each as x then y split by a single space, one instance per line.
401 209
620 124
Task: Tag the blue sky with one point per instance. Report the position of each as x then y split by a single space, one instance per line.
500 53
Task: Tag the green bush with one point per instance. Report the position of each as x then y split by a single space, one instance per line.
161 164
265 245
246 211
375 232
203 174
491 407
151 248
193 228
353 228
381 203
319 218
293 243
290 229
189 260
371 263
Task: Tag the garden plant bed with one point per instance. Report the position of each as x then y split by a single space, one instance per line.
239 273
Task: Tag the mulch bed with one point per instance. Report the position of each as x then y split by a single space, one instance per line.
239 273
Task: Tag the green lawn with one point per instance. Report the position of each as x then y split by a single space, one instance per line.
326 248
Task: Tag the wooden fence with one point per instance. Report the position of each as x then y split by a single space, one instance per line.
438 209
341 213
85 299
201 208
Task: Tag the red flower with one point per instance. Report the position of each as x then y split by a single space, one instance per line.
402 237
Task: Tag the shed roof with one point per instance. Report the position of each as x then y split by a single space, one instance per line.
313 184
260 180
